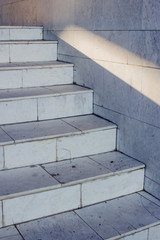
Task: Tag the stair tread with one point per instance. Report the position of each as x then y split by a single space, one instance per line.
22 132
31 65
91 166
120 216
28 42
37 92
20 27
114 219
73 171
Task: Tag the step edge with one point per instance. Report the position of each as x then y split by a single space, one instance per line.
70 184
59 64
28 42
104 176
43 138
47 95
21 27
149 197
118 237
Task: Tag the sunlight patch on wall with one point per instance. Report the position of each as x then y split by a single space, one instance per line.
124 64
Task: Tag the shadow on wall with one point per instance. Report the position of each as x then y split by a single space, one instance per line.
127 89
100 48
123 81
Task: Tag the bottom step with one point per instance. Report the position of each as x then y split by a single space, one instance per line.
133 217
39 191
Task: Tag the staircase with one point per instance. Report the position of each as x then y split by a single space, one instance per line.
60 174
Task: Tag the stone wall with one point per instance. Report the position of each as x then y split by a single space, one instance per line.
115 46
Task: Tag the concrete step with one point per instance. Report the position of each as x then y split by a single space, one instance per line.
37 191
28 51
54 140
40 103
35 74
8 33
132 217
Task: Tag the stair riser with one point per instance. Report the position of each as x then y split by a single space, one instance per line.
21 34
45 108
138 235
112 187
148 233
28 52
36 77
45 151
52 202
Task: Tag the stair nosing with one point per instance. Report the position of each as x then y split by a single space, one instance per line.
8 42
103 176
47 95
21 27
44 138
35 65
127 234
71 183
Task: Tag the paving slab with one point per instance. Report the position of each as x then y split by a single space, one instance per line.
41 204
21 27
29 153
39 92
112 186
32 51
11 79
154 233
48 103
116 161
75 169
143 235
10 233
92 142
121 214
44 129
69 89
24 180
24 110
40 130
23 93
41 142
32 42
19 33
88 122
4 137
26 65
67 226
1 215
150 197
65 104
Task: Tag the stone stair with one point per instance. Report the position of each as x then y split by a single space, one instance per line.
56 156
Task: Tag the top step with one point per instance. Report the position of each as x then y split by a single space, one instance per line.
9 33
